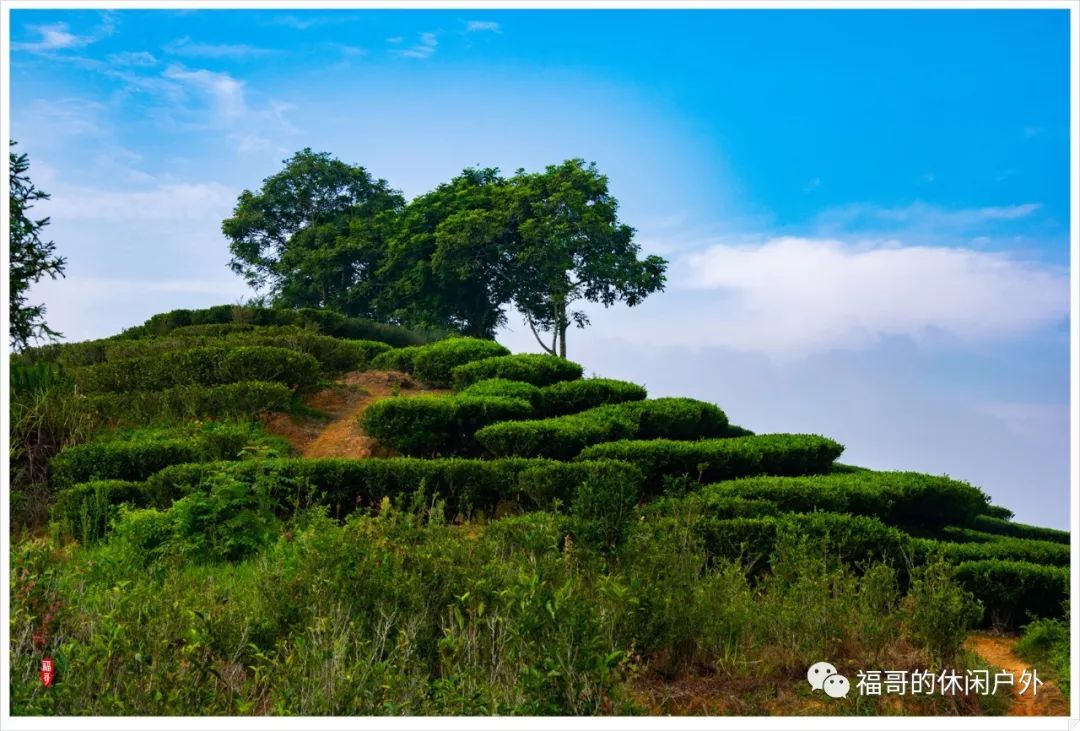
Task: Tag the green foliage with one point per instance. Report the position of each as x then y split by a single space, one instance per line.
313 234
398 359
1014 592
539 370
190 401
503 388
1045 644
1013 549
431 426
908 499
434 364
1001 526
571 397
708 460
85 510
224 319
940 612
205 366
563 437
136 455
603 505
31 257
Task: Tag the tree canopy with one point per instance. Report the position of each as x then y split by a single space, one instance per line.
31 257
322 233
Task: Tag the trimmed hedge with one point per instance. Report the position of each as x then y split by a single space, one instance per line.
191 401
325 321
571 397
466 485
1015 592
563 437
84 510
908 499
999 526
854 539
711 460
433 364
428 426
139 454
1009 549
503 388
539 370
206 366
398 359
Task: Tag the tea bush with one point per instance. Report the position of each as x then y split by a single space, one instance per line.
1015 592
539 370
908 499
86 509
397 359
1012 549
710 460
433 364
571 397
1001 526
563 437
190 401
137 454
503 388
940 611
430 426
1045 644
205 366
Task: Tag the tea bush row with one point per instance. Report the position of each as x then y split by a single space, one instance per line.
712 460
430 426
205 366
434 363
908 499
1015 592
324 321
135 455
1008 549
563 437
1001 526
190 401
564 397
539 370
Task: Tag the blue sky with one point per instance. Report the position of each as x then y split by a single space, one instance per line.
866 212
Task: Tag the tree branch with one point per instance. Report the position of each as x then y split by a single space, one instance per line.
536 335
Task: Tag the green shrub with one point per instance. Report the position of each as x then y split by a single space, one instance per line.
571 397
206 366
940 611
190 401
138 454
908 499
433 364
563 437
996 511
397 359
431 426
1011 549
549 484
709 460
464 485
1014 592
85 510
323 321
539 370
602 507
503 388
1000 526
1045 643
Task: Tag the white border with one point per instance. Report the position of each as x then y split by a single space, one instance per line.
366 722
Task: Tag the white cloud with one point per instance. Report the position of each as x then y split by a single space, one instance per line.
166 202
790 295
58 36
424 49
479 26
132 58
186 47
225 93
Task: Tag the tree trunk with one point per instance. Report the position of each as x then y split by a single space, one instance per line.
561 325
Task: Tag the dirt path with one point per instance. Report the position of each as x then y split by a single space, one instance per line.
345 401
998 650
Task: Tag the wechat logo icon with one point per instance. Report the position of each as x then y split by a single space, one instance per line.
823 676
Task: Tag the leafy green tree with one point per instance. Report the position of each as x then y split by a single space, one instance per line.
451 258
314 234
572 248
31 258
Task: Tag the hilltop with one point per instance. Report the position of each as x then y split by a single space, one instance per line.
241 510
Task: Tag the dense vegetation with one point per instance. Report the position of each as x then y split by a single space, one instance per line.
535 542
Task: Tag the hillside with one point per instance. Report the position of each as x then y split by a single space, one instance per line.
248 511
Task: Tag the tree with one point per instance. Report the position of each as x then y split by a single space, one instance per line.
571 247
31 258
451 257
314 234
